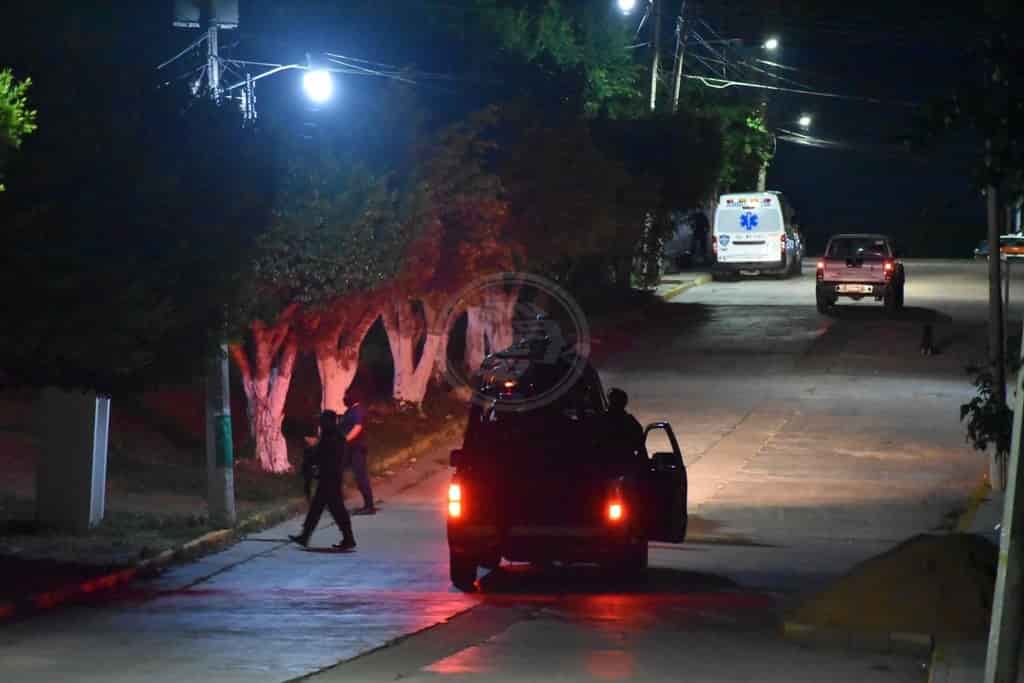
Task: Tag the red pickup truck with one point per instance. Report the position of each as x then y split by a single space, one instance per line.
858 266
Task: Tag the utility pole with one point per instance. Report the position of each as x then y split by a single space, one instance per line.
656 56
1004 637
220 473
677 76
995 300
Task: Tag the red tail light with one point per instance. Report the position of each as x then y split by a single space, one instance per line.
820 274
888 268
616 511
714 245
782 246
454 500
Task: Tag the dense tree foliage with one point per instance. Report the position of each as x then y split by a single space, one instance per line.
17 119
129 233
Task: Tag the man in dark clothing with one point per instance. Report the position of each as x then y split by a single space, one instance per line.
352 429
701 228
624 437
327 456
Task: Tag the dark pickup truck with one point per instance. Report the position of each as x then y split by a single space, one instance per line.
858 266
537 482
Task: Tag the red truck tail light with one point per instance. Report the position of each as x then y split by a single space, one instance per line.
615 511
782 246
820 274
454 500
714 245
888 268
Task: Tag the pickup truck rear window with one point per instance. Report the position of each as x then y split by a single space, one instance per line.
858 248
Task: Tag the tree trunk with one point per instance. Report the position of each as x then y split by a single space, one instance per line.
266 377
440 371
501 309
475 338
337 355
336 372
412 374
340 335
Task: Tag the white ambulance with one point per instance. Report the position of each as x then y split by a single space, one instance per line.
753 234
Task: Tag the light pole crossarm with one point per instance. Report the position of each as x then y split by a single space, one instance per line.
270 72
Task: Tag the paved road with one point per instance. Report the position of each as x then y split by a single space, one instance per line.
812 442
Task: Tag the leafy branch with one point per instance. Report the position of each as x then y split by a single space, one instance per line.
989 420
16 119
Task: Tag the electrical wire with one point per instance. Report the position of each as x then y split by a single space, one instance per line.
181 54
725 83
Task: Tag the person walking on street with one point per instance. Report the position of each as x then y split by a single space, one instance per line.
353 431
328 456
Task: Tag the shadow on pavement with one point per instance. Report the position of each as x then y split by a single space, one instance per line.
560 580
911 314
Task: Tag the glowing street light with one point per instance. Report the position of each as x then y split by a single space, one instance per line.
627 6
804 121
771 44
318 84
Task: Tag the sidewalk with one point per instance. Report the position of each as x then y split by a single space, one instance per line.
964 661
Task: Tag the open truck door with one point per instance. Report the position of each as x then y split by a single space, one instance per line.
668 484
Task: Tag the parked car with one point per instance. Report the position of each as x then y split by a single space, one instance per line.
858 266
1010 246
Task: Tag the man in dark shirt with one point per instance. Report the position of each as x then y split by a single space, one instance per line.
351 427
327 455
624 437
701 228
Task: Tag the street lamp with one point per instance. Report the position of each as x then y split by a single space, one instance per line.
318 84
771 44
804 121
627 6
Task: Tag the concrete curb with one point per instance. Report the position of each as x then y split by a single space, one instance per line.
208 542
152 566
897 642
977 496
699 280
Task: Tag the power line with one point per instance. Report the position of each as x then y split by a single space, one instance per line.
724 83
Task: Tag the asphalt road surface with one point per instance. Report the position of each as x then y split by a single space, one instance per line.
812 442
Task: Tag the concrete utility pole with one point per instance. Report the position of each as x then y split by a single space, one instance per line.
995 299
677 76
656 56
1004 638
220 474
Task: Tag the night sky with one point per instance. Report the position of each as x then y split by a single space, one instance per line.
871 183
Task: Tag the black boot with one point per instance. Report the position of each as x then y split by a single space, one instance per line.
345 545
300 539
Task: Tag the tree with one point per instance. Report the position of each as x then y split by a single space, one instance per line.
16 119
125 242
987 103
460 216
577 51
334 236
